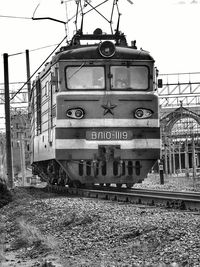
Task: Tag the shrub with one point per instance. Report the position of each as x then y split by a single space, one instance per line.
5 195
30 236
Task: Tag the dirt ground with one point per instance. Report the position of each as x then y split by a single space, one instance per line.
43 229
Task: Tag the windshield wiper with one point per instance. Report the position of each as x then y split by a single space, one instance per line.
77 70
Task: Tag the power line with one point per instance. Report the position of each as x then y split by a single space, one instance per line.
38 68
43 47
32 50
12 83
14 17
181 73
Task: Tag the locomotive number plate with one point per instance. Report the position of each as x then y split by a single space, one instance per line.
108 135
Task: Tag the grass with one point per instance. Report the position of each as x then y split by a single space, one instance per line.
2 248
2 257
30 236
31 241
5 195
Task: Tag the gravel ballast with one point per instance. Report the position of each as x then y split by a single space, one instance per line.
38 227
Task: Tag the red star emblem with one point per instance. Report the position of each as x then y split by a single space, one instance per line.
108 108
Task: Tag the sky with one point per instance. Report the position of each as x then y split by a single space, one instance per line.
168 29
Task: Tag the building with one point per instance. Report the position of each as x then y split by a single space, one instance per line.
20 141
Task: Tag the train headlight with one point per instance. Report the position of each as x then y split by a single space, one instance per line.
79 113
143 113
107 49
75 113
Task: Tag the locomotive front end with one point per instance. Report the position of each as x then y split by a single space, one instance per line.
107 126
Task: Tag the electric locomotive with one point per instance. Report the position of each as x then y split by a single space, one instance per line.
95 113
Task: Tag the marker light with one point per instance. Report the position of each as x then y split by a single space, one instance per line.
107 49
75 113
143 113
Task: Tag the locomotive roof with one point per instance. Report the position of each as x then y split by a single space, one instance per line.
122 51
91 52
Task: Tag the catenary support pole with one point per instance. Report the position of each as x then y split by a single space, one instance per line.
28 74
194 160
187 174
7 119
166 158
161 172
170 157
173 158
22 157
179 157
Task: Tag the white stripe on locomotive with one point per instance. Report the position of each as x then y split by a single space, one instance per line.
93 144
71 123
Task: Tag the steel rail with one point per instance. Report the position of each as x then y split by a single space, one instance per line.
167 199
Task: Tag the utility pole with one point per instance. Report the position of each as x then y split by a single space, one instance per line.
173 158
22 157
170 156
179 157
187 174
166 158
28 74
22 149
7 118
194 160
160 164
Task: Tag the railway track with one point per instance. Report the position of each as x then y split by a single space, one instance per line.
168 199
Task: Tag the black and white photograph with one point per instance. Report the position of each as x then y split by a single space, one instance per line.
99 133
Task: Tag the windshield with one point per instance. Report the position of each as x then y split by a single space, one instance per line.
81 77
131 77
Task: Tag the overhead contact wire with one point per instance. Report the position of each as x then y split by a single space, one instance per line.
39 68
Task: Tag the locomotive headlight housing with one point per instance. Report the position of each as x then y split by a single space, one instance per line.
143 113
75 113
106 49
